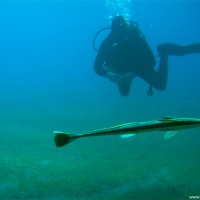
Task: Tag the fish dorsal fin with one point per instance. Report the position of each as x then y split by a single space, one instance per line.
167 119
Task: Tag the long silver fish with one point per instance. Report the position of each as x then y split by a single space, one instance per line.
169 124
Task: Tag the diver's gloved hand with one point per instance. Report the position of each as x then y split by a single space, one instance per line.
127 78
113 77
118 78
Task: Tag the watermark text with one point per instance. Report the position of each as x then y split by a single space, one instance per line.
194 197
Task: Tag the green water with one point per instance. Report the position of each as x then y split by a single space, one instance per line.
142 167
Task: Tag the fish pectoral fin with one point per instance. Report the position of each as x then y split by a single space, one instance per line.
169 134
124 136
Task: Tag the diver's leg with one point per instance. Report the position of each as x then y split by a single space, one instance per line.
124 88
157 79
178 50
162 73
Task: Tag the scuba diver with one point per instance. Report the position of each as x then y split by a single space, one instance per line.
125 54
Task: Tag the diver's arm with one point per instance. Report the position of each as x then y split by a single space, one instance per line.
100 60
98 64
100 70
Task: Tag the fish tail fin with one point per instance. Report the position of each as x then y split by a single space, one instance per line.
62 138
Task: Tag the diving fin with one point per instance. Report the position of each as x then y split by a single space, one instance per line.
178 50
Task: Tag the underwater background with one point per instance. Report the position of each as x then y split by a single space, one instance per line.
47 83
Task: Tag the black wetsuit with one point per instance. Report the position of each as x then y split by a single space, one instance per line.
130 52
